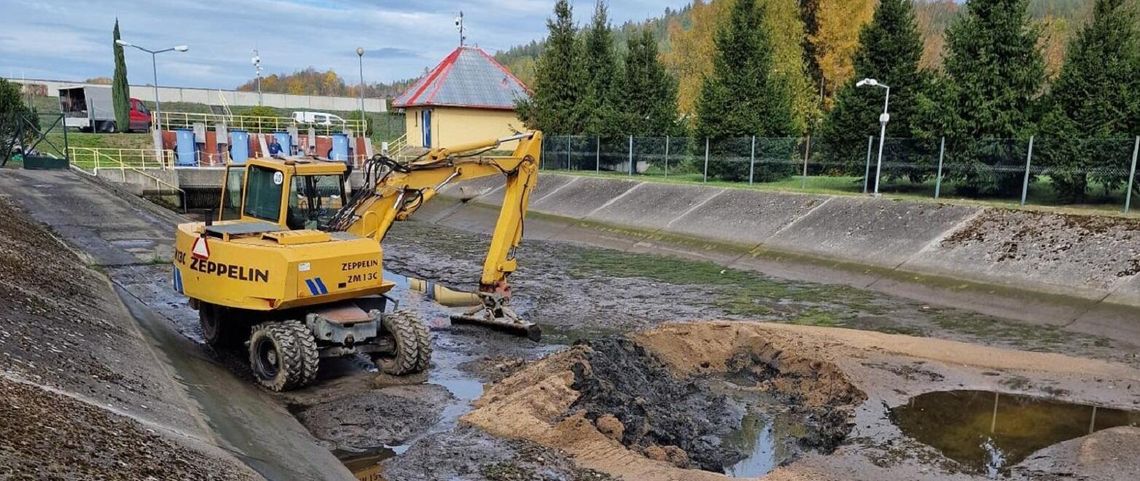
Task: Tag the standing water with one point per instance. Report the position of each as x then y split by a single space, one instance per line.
988 432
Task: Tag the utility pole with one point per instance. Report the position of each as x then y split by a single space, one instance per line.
257 66
154 67
363 122
459 25
883 119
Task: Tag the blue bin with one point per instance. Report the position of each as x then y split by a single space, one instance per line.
239 146
187 149
339 147
286 143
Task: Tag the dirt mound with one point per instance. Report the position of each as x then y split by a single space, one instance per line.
620 384
619 406
44 435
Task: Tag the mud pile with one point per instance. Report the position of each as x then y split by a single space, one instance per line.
642 408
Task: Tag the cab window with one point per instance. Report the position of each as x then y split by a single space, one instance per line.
263 193
231 194
314 200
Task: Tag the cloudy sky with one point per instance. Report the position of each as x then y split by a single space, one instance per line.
71 39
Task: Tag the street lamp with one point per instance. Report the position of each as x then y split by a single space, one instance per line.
256 60
154 67
883 119
363 123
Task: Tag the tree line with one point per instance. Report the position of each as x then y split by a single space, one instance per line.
992 83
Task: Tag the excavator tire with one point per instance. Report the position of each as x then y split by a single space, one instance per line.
413 345
219 331
283 355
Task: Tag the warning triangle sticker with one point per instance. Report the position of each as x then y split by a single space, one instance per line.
201 250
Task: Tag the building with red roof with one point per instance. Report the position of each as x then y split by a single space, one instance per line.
467 97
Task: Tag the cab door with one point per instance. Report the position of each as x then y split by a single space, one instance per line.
232 193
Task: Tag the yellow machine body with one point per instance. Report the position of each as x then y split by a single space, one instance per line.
260 256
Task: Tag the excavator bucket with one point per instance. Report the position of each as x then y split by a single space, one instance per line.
485 309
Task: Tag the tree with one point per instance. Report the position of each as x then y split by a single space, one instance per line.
120 90
740 98
598 104
890 50
1093 100
15 117
692 51
648 93
994 75
558 85
789 70
835 38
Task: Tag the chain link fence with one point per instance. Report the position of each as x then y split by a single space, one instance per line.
1099 173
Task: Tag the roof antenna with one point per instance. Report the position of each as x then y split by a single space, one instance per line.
459 25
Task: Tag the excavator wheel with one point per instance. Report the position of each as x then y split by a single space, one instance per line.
413 345
219 331
283 355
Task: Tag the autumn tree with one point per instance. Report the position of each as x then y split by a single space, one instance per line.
558 85
789 70
120 90
691 51
648 92
598 104
890 50
834 39
993 75
740 98
1093 102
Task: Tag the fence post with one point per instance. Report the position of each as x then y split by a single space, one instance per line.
938 180
706 160
666 156
569 160
631 155
867 173
598 154
807 153
752 161
1131 177
1025 183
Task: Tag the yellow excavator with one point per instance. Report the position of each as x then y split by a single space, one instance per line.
291 266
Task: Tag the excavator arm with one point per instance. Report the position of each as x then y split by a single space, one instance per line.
393 192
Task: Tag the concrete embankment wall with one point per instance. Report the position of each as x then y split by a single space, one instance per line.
1074 270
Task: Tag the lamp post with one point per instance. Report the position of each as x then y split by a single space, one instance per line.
883 119
363 123
154 67
257 66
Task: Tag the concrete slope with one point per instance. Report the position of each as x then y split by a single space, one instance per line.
117 234
1082 271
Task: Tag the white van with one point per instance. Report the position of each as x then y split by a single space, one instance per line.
317 118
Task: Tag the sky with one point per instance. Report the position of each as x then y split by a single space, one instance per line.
71 39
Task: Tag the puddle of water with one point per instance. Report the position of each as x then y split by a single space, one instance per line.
988 432
765 437
366 467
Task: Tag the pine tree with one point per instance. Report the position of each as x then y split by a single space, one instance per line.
890 49
598 106
740 99
994 74
120 91
649 93
1089 102
558 85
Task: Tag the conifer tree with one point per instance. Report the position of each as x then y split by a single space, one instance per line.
598 106
890 49
994 75
120 90
1089 103
740 98
649 93
558 85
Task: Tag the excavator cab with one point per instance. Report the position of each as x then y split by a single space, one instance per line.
295 195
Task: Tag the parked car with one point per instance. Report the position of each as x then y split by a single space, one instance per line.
317 118
91 109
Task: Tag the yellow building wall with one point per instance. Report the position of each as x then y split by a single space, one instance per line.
453 125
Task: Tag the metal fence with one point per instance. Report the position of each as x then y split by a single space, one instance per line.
1100 173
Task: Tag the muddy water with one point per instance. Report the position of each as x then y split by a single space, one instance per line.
987 432
766 438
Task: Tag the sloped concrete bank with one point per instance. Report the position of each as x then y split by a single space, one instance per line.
1072 270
